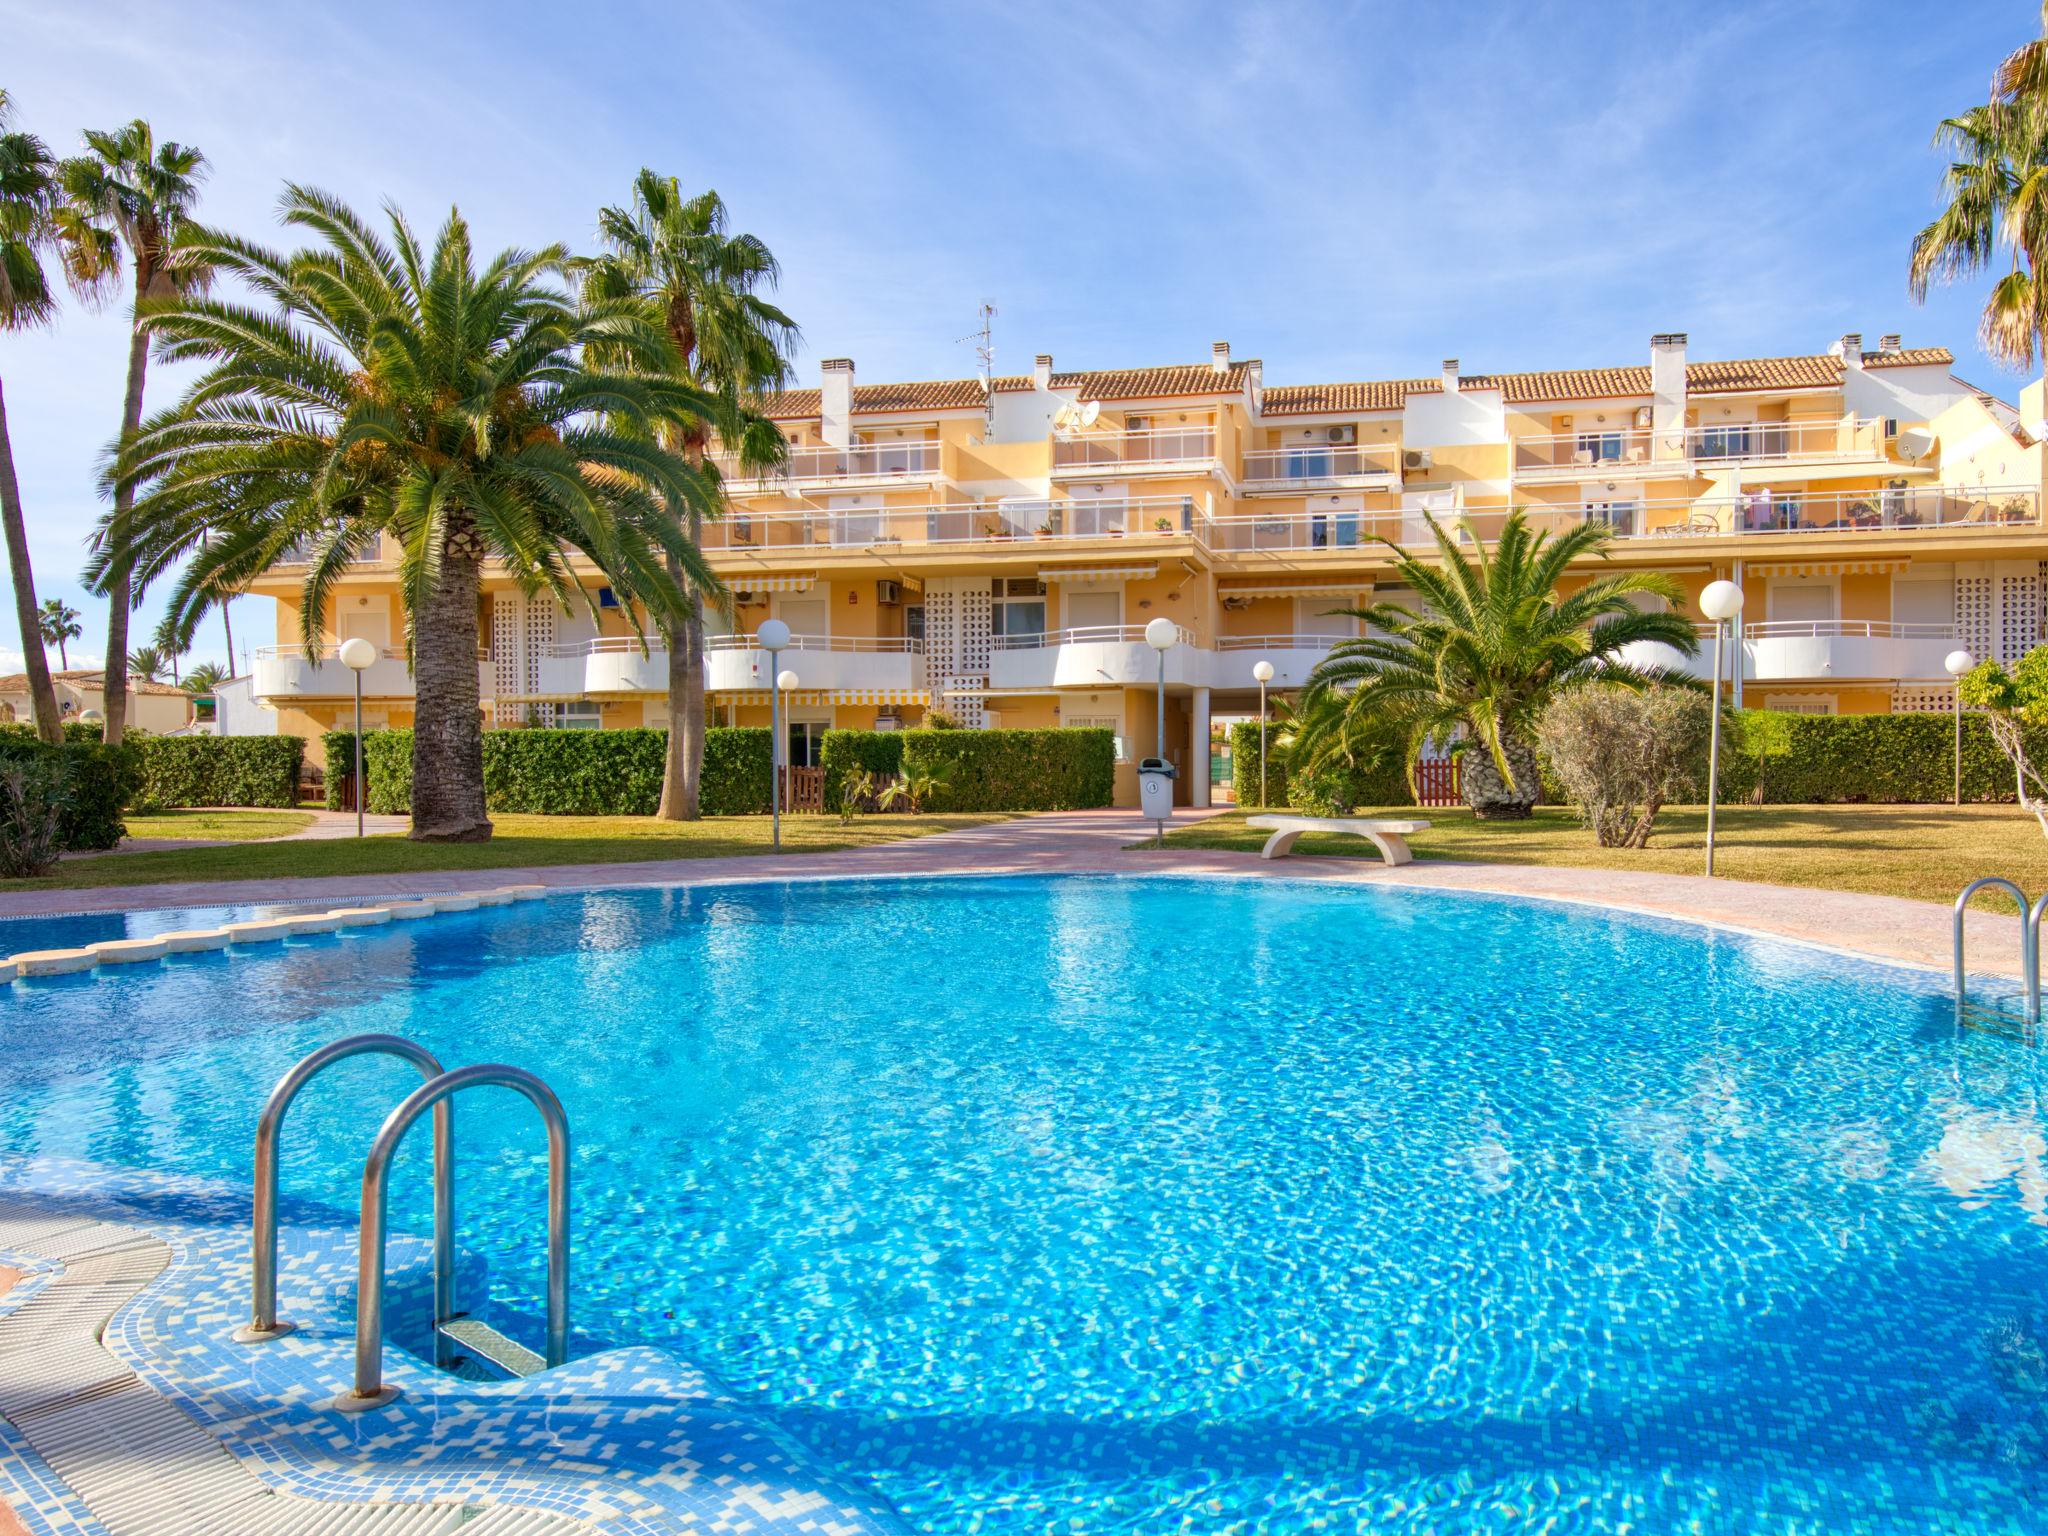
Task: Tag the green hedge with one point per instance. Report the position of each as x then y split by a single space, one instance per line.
220 770
844 752
567 773
1064 769
1786 759
99 781
1324 795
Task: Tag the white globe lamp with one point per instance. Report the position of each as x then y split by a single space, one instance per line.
1957 663
1721 602
1160 634
1263 672
773 636
358 655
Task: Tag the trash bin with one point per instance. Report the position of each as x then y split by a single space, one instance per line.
1155 788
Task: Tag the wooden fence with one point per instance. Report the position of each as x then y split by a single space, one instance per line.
803 789
1436 782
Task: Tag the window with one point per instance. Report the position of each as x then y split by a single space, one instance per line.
913 620
1600 447
1799 703
582 716
1725 442
1019 608
807 742
607 598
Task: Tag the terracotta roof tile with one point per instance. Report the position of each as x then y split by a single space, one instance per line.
90 679
1184 379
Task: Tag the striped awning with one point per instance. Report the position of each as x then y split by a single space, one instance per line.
772 583
825 696
1284 589
1095 575
1828 568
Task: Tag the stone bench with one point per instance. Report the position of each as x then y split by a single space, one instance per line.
1390 837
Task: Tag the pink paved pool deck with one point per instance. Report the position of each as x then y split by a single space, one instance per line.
1095 842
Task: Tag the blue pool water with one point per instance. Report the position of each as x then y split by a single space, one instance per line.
1082 1205
78 929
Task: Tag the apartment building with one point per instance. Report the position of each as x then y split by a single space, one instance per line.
996 551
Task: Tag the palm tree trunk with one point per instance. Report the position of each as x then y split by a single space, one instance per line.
121 597
63 655
682 768
43 697
447 737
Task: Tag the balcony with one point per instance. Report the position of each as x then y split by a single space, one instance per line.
1310 466
1101 656
855 464
736 663
1008 522
1621 451
283 673
1293 658
1765 512
1817 650
1280 532
1152 450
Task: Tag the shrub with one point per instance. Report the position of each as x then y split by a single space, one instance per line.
848 752
1325 792
1774 758
1062 769
220 770
567 773
339 749
97 784
32 804
941 720
1621 756
2012 703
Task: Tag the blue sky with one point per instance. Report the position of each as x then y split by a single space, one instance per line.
1347 191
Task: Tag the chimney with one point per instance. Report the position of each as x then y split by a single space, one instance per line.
1850 350
1219 356
1891 343
1450 375
835 401
1667 395
1041 371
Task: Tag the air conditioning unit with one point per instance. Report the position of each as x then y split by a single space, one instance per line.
888 593
1417 459
1343 435
889 720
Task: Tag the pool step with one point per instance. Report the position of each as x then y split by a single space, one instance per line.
483 1342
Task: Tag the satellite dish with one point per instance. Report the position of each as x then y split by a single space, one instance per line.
1088 413
1063 418
1915 443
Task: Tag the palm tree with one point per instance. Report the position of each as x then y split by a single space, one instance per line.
1996 208
27 200
704 285
148 663
129 192
204 678
1492 645
378 390
57 622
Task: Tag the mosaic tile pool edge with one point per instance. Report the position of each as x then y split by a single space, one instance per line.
634 1441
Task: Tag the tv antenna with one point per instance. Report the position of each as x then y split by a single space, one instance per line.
985 355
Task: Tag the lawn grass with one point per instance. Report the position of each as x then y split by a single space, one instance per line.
1927 852
218 826
520 841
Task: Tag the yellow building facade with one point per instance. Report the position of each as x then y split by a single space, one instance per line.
997 550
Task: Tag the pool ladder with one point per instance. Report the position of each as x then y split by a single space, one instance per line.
2030 947
453 1331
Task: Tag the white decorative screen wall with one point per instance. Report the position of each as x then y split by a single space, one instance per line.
956 645
1922 701
540 639
2019 614
1975 599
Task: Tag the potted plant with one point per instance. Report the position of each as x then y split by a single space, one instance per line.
1162 524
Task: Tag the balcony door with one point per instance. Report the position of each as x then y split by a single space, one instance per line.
805 615
371 624
1803 602
1100 609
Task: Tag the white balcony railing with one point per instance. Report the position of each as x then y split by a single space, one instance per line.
1108 655
990 522
1901 509
1595 448
1817 651
1320 463
286 672
1090 634
1123 450
856 461
1607 450
828 662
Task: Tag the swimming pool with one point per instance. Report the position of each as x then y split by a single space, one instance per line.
1092 1204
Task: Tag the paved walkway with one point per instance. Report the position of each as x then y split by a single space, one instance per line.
1079 842
326 827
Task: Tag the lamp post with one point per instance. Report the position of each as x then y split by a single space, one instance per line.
773 637
1957 663
1721 602
358 655
1161 634
1263 671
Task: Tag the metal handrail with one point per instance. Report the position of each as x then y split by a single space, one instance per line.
2030 939
369 1390
263 1320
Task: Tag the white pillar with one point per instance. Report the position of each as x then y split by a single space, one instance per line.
1198 749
